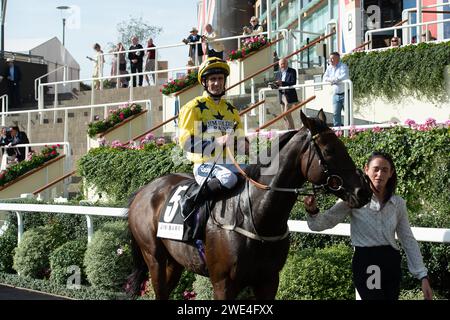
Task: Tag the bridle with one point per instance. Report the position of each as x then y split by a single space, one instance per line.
333 182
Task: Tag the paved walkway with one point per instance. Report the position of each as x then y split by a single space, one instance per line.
10 293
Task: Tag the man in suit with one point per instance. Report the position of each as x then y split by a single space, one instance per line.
285 77
18 137
136 60
14 76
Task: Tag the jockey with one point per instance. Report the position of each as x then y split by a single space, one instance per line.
207 123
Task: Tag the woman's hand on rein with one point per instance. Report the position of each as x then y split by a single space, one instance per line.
310 204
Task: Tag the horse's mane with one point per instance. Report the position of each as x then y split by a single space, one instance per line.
254 170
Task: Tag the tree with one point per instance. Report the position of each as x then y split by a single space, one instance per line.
136 27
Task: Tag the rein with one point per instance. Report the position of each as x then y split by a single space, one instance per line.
298 191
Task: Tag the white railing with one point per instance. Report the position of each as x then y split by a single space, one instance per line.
438 235
105 106
5 106
38 81
407 15
131 88
66 150
348 100
285 33
407 38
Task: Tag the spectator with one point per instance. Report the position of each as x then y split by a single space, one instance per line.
17 137
99 61
427 36
194 37
150 63
373 229
285 77
255 28
14 76
122 60
216 48
136 59
395 42
336 72
276 66
5 137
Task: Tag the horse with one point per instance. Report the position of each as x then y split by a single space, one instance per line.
246 239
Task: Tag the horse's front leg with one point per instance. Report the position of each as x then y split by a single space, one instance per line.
267 289
225 289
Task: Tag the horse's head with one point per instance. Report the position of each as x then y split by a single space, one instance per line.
326 162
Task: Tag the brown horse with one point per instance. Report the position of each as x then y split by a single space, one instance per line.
246 240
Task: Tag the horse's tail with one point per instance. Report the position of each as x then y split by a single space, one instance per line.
135 281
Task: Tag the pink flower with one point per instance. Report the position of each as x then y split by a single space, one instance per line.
447 123
150 136
116 144
410 122
121 116
430 122
160 141
376 129
189 295
338 133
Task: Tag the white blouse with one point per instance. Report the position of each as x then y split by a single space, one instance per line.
372 226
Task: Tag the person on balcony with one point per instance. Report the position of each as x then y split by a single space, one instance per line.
286 77
17 137
99 61
13 75
395 42
136 60
255 28
195 51
336 73
216 48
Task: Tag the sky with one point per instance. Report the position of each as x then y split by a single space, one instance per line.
97 23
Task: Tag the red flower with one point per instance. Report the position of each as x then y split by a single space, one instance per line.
121 116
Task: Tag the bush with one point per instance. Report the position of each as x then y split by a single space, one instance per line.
69 254
32 255
179 84
108 259
416 70
119 173
318 274
8 242
185 284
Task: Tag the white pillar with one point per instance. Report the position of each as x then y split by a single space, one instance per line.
419 20
90 227
19 226
269 19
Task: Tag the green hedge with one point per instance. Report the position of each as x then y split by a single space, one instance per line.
31 258
69 254
83 293
119 173
414 70
8 242
318 274
108 259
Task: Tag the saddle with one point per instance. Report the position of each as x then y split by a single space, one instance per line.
174 225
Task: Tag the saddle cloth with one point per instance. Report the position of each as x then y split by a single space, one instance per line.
173 225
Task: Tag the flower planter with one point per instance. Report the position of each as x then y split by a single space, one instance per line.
123 131
244 67
35 179
181 97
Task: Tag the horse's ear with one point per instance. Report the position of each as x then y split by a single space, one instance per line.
308 123
321 115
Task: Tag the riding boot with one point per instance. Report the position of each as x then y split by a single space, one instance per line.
198 197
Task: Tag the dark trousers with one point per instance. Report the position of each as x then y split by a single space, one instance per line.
381 262
213 53
14 94
134 69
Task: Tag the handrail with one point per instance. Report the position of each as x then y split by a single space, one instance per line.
5 106
153 128
362 45
297 106
400 23
50 184
368 34
36 86
251 107
287 57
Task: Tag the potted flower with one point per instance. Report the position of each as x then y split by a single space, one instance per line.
249 45
115 117
176 85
